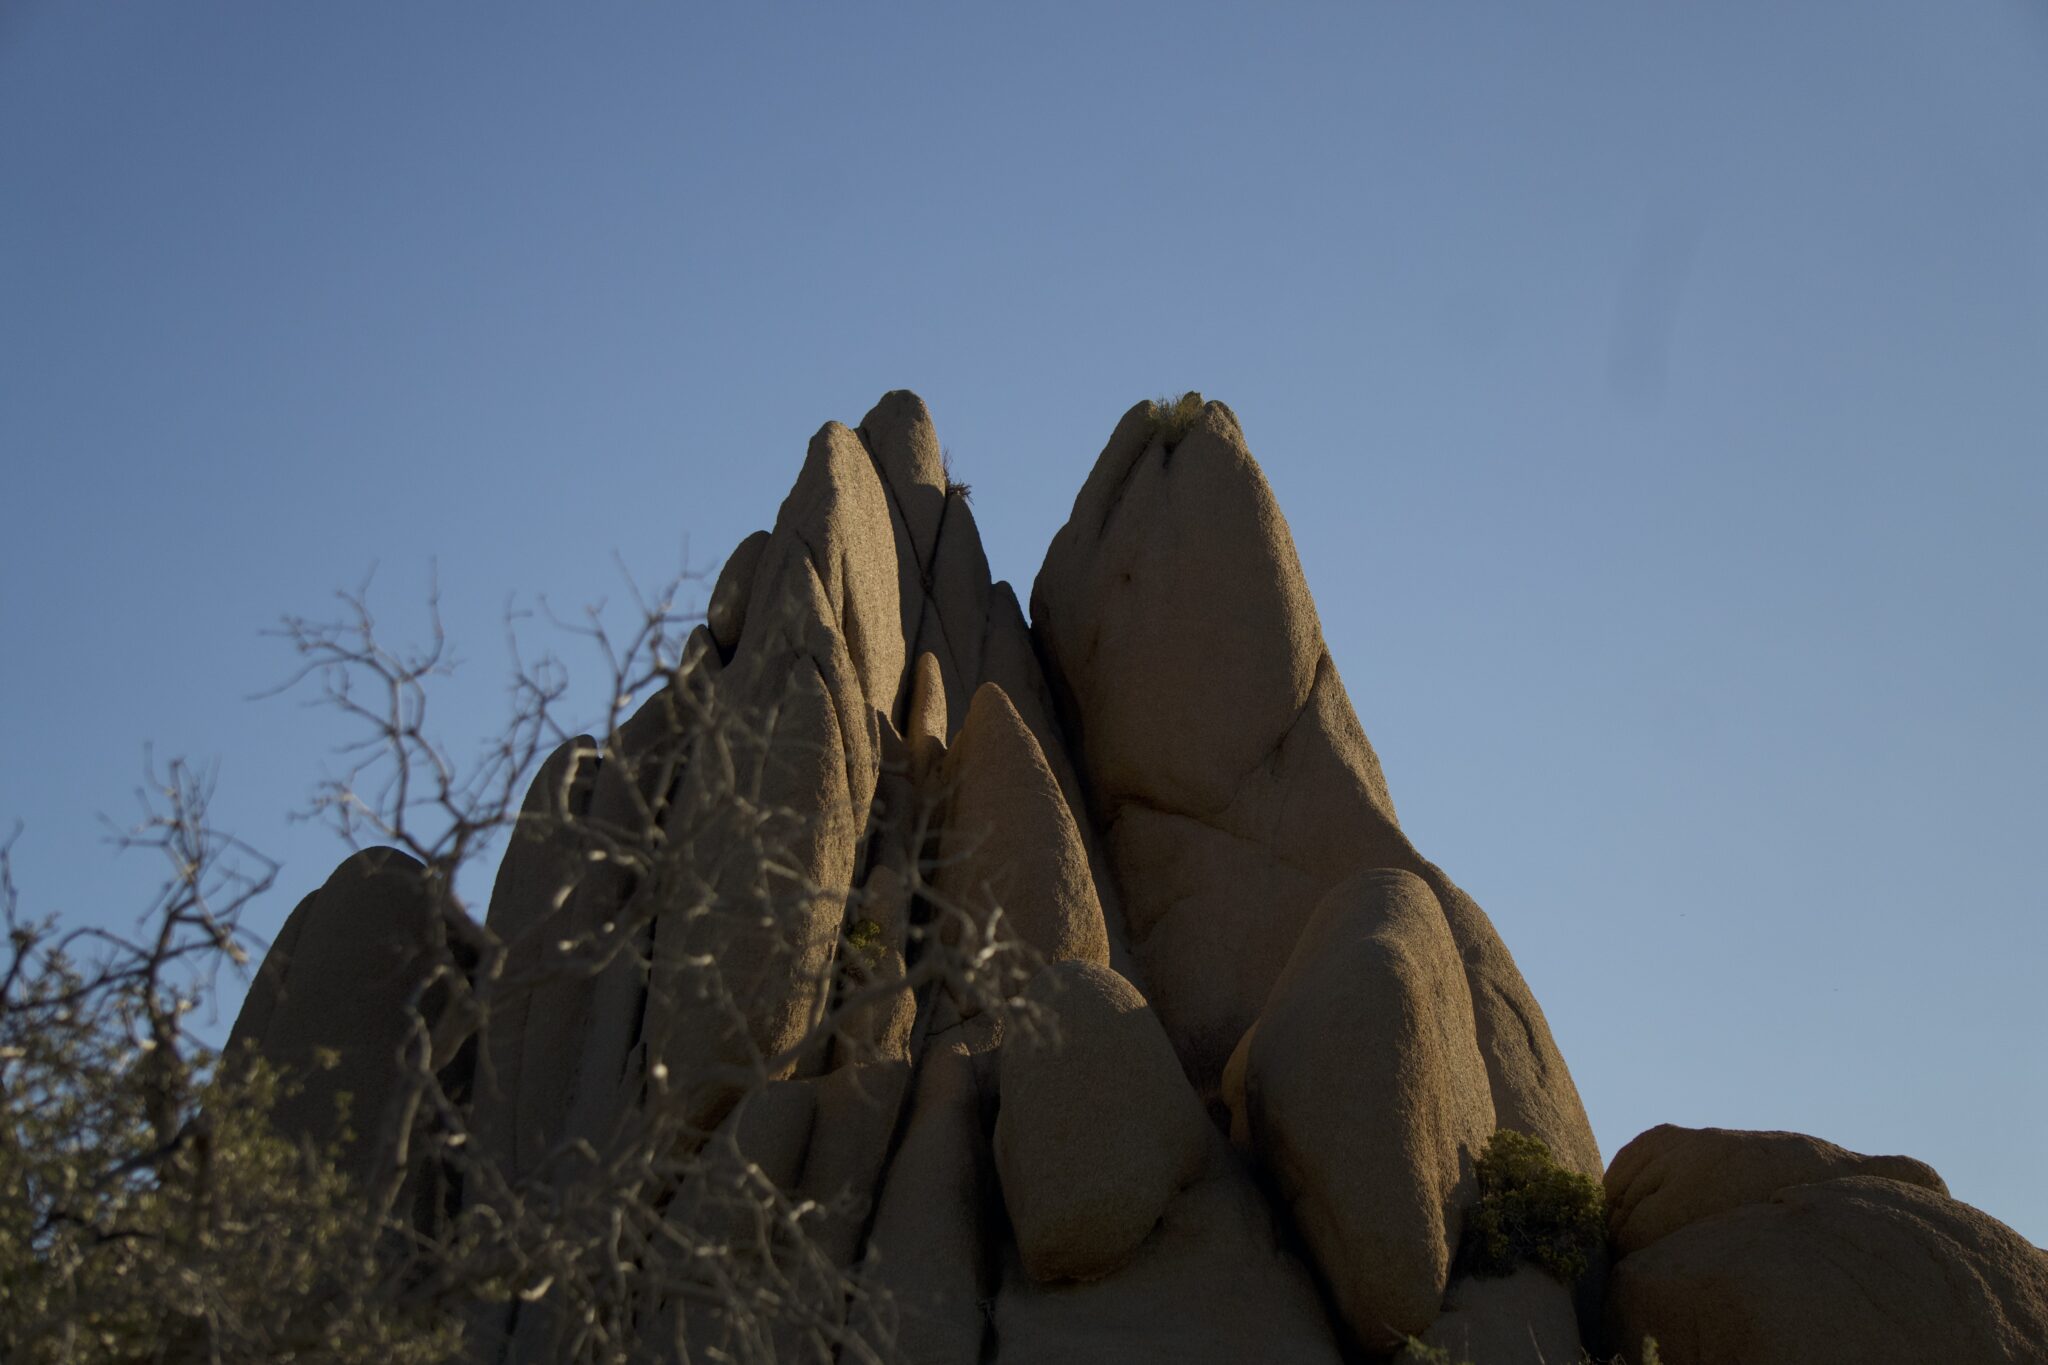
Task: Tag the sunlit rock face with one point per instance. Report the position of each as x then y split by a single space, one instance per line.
1073 978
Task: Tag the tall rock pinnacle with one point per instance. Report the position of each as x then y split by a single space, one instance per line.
1225 767
983 990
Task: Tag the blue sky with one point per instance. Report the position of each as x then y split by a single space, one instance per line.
1658 395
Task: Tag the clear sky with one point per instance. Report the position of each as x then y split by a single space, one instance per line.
1658 394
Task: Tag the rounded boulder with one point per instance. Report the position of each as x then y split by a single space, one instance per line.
1363 1093
1098 1128
1857 1271
1670 1176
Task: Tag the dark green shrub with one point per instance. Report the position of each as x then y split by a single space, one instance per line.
1532 1210
865 937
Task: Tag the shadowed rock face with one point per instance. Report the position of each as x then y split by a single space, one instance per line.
1671 1176
338 986
1855 1269
1521 1319
1155 804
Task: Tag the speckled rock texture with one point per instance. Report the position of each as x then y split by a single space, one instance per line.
1225 765
1671 1176
1521 1319
1362 1094
1858 1269
1068 981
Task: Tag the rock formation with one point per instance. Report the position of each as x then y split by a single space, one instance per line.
1071 984
1778 1247
1855 1269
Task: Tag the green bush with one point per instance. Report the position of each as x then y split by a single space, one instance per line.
1532 1210
865 937
1174 418
152 1212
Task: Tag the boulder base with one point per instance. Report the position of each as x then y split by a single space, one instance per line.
1363 1095
1857 1271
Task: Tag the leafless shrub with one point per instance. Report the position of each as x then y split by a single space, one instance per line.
668 876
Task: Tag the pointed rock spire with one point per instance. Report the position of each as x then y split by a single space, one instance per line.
1225 764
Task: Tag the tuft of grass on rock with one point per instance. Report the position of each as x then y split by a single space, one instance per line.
1532 1210
1174 418
954 488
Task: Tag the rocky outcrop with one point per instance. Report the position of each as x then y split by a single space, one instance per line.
930 1239
1671 1176
1009 841
897 967
344 1000
1210 1285
1521 1319
1361 1090
1091 1073
1860 1269
520 1094
1225 763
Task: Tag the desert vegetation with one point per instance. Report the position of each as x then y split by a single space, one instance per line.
266 1201
1532 1211
1173 418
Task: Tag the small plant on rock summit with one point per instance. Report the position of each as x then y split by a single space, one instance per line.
1532 1209
1174 418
